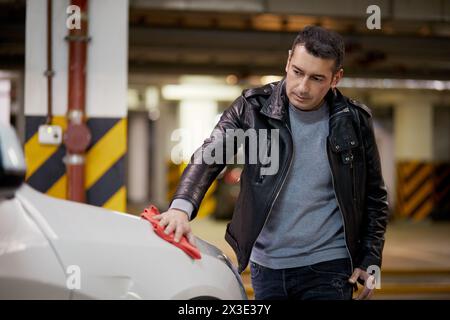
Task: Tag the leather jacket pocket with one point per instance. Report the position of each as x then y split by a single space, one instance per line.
344 142
344 137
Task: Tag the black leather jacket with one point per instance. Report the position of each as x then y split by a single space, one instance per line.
354 161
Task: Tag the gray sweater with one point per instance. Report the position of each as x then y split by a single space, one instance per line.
305 225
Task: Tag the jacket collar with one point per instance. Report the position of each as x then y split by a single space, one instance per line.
336 101
276 105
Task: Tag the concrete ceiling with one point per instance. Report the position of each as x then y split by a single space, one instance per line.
252 37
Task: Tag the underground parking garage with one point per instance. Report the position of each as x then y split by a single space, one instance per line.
103 104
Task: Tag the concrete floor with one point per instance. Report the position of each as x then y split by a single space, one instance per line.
416 259
409 246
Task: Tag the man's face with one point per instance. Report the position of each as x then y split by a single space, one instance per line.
309 78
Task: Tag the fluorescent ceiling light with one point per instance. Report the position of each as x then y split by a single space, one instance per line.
367 83
214 92
151 98
269 79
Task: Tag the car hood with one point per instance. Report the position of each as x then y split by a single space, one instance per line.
63 219
119 254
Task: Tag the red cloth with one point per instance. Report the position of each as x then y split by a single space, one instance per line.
184 245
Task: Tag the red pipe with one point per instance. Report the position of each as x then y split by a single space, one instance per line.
77 136
77 60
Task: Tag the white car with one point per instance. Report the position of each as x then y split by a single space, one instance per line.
58 249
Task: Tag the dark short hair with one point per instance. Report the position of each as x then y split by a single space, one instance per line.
322 43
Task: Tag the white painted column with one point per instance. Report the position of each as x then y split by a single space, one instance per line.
5 101
138 158
163 129
413 129
106 97
107 62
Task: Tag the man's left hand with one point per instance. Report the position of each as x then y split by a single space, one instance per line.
369 283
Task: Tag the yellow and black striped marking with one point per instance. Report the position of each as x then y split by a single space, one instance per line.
174 172
415 189
105 162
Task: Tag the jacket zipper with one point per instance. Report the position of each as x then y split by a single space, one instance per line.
345 110
279 189
352 168
340 210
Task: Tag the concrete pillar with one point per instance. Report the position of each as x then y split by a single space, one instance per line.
106 99
413 129
414 155
138 158
107 58
20 107
5 101
163 129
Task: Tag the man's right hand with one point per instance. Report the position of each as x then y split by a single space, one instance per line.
178 221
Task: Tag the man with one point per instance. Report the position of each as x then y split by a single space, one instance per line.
311 230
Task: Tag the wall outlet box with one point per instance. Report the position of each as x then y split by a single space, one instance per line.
50 134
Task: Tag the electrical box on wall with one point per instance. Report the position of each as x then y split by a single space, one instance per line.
50 134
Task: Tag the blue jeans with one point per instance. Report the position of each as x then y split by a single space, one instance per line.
322 281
